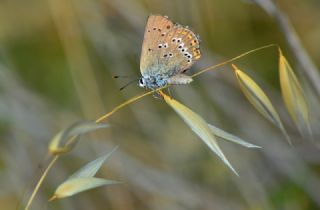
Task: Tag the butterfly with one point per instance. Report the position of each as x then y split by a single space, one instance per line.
168 51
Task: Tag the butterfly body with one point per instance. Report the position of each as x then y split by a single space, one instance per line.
168 50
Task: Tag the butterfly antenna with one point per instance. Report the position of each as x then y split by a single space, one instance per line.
129 83
121 76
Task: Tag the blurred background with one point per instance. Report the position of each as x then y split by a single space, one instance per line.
57 59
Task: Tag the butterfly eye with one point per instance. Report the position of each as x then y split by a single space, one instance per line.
142 82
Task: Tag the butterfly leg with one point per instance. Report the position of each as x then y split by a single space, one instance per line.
169 92
156 95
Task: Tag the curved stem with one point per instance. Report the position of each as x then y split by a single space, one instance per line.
232 59
100 119
194 75
43 176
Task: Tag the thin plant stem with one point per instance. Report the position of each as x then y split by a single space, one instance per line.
100 119
232 59
43 176
194 75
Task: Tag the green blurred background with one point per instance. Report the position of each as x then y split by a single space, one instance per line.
56 66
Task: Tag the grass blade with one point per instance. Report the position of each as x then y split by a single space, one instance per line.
230 137
292 94
90 169
83 179
66 139
259 100
198 126
77 185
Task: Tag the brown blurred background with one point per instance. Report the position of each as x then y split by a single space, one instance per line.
56 66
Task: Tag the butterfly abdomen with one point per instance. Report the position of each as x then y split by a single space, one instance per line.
179 79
